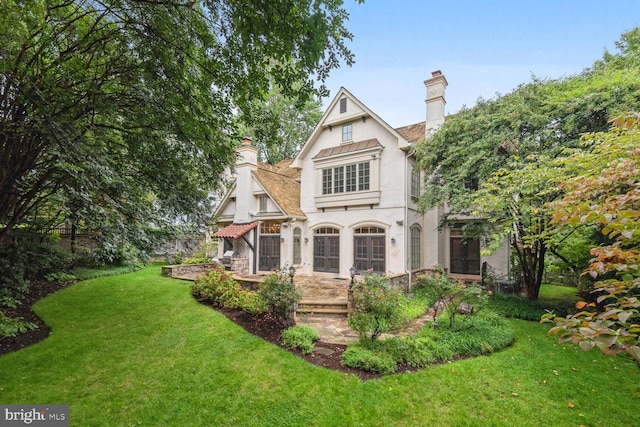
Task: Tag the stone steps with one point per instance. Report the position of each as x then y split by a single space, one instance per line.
329 308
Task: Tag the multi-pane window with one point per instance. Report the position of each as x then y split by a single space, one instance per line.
327 181
415 182
347 134
270 227
415 247
348 178
352 178
363 176
338 179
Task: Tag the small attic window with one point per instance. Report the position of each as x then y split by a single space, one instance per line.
343 105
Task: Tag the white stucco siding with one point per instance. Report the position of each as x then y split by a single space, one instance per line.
347 221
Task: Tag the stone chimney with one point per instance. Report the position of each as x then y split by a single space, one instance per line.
246 165
435 101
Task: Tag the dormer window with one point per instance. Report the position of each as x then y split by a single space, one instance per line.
347 134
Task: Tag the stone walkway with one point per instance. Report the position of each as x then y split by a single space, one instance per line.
332 329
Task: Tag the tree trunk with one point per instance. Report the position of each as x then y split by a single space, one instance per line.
531 259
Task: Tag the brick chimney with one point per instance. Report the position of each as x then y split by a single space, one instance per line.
435 101
246 165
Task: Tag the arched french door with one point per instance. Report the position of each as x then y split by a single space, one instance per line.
326 250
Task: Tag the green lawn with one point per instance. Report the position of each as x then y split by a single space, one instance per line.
137 349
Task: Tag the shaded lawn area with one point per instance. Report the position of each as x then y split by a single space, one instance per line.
137 349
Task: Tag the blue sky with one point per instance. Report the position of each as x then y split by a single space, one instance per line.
483 47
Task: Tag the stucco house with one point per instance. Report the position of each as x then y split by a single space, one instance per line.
348 199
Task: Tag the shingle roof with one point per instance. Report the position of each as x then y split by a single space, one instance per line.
281 183
348 148
235 230
413 133
282 168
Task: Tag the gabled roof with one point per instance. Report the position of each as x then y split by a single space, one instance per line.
342 93
282 185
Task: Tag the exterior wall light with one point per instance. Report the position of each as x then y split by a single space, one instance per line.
352 272
292 272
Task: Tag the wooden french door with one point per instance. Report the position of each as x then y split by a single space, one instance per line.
269 253
326 254
369 253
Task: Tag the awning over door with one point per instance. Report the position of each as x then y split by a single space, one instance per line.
234 231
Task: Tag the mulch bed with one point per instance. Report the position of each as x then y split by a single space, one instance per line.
37 291
265 326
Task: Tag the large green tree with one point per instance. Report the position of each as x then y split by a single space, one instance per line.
280 125
120 112
490 159
605 191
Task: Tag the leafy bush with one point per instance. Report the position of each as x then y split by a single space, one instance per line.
200 260
11 326
378 309
521 308
218 287
417 303
60 276
280 295
454 295
359 357
30 256
488 333
301 337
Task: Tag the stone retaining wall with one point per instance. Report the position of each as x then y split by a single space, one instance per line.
187 269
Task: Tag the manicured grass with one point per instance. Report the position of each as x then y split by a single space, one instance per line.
137 349
558 294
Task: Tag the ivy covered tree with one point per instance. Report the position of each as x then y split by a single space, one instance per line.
605 192
491 160
116 113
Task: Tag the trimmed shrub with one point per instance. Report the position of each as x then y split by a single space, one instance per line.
360 357
301 337
219 288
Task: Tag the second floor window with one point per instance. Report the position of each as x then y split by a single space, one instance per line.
347 134
263 203
346 179
415 182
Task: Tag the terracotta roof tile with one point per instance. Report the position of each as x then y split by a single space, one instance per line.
235 230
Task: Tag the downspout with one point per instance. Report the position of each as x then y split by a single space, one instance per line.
255 252
405 222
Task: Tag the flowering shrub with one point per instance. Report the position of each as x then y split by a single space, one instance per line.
280 295
377 308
